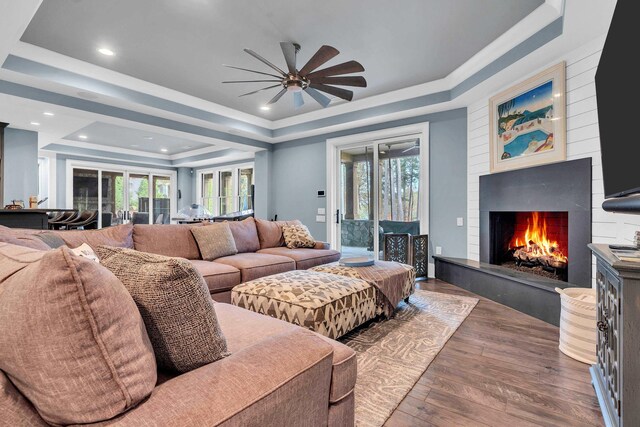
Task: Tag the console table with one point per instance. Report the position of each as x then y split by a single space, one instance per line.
616 375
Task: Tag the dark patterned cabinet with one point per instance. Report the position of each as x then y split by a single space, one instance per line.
616 375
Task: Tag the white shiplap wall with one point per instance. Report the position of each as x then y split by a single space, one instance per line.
582 141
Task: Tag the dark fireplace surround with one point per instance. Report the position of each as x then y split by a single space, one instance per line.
561 188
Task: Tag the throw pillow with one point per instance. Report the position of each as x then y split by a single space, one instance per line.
71 339
270 232
297 236
245 235
214 241
175 305
85 251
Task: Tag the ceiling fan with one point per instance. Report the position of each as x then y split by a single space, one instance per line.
306 79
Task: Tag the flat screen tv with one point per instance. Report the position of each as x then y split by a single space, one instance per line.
617 91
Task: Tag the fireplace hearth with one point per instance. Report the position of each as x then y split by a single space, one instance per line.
531 242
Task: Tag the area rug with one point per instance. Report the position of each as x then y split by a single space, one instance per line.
393 354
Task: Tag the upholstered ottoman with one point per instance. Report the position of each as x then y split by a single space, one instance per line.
328 304
393 281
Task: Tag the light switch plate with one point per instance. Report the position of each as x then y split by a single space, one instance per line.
321 211
438 250
321 218
460 221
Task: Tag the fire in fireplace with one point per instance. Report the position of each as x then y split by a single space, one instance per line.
533 242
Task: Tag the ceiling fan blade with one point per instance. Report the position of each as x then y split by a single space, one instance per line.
298 101
259 90
358 81
278 96
320 98
261 59
324 54
251 71
409 149
344 68
336 91
289 52
252 81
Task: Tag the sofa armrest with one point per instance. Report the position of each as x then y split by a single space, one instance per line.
322 245
282 380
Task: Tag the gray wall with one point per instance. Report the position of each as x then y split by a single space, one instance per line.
20 165
186 187
263 186
299 170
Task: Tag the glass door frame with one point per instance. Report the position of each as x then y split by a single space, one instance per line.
126 171
374 139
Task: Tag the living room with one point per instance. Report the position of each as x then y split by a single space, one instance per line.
236 213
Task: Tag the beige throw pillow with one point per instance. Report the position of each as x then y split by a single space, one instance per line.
297 236
71 338
175 305
215 240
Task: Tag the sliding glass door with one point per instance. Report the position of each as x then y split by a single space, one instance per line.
380 199
123 195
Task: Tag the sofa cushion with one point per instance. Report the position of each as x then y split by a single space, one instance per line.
297 236
71 338
175 305
215 240
305 258
244 328
118 236
254 265
171 240
245 235
270 232
218 277
27 240
16 410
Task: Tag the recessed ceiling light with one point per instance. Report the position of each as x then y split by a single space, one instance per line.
35 123
48 113
106 51
265 108
164 150
83 136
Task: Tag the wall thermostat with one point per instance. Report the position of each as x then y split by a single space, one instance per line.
320 193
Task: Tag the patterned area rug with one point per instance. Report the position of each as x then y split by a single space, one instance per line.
393 354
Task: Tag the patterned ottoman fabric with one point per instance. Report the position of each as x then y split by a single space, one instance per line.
393 281
325 303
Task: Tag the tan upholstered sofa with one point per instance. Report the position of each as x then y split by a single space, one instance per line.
277 374
261 250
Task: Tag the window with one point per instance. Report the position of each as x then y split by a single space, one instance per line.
121 194
225 190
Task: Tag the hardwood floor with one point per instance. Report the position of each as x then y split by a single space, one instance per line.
500 368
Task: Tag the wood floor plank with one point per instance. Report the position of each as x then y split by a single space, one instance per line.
501 367
478 413
436 415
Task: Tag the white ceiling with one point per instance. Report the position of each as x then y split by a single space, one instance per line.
182 45
113 136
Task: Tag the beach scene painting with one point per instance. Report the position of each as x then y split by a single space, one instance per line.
527 122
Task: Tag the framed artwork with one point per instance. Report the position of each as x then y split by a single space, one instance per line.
527 122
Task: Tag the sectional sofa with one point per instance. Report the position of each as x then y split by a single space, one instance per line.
277 374
261 250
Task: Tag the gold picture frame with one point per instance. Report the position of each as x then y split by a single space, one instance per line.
527 122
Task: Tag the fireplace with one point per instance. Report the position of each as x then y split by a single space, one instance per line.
531 242
536 222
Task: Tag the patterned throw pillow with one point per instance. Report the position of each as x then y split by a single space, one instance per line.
215 240
175 305
297 236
